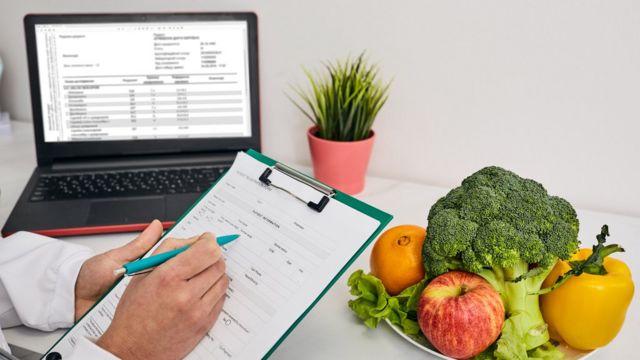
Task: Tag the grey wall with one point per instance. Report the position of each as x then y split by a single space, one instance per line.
547 88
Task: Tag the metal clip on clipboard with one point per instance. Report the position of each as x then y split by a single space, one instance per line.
324 189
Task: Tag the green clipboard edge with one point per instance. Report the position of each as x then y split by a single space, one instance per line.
354 203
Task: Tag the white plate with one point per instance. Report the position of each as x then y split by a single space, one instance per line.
423 344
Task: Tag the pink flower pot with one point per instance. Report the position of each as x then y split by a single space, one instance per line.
340 164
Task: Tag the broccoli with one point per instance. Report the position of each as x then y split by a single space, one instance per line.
511 232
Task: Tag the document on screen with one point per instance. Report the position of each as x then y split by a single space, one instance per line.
130 81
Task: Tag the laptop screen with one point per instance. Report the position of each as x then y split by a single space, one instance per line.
144 80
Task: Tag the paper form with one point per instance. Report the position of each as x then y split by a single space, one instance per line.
286 255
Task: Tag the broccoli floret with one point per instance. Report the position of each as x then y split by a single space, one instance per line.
510 231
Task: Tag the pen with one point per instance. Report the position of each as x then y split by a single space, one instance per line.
148 263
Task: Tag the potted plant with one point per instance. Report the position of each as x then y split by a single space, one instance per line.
342 104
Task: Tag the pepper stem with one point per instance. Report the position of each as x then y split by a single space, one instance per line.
594 264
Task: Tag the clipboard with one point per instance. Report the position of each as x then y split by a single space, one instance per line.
318 205
383 217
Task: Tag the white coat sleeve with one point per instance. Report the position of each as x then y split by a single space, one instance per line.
87 349
37 281
37 287
3 343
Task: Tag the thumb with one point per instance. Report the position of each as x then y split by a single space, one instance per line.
169 244
140 245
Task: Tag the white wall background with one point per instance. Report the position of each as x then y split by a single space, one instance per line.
547 88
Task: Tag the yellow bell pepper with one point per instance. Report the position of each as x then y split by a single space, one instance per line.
587 311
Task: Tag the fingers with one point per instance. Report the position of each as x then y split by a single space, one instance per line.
216 292
169 244
205 280
140 245
215 312
218 307
202 254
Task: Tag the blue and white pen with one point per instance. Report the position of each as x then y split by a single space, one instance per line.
148 263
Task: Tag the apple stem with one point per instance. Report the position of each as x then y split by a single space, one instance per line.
464 288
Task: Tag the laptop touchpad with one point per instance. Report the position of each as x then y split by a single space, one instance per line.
126 211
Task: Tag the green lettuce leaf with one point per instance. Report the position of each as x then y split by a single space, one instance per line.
511 347
546 351
373 304
487 354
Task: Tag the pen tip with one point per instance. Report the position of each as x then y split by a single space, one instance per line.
120 271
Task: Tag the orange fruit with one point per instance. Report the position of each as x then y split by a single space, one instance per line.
396 258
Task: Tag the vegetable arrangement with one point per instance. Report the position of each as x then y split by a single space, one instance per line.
524 243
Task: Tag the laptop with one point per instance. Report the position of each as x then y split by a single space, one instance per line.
135 115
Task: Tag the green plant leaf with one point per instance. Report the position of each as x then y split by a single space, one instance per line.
344 100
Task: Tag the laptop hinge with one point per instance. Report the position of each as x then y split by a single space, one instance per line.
144 161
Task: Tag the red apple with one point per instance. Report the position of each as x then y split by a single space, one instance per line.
461 314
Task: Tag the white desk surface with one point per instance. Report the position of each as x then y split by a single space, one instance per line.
330 330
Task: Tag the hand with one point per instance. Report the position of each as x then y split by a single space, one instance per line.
164 314
96 274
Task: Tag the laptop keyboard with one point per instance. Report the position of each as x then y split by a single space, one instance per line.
126 183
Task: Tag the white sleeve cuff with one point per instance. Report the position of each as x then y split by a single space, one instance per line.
63 305
87 349
3 343
38 276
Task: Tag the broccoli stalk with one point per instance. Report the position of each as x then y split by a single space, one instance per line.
524 327
510 231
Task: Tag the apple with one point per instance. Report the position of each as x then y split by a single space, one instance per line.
461 314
